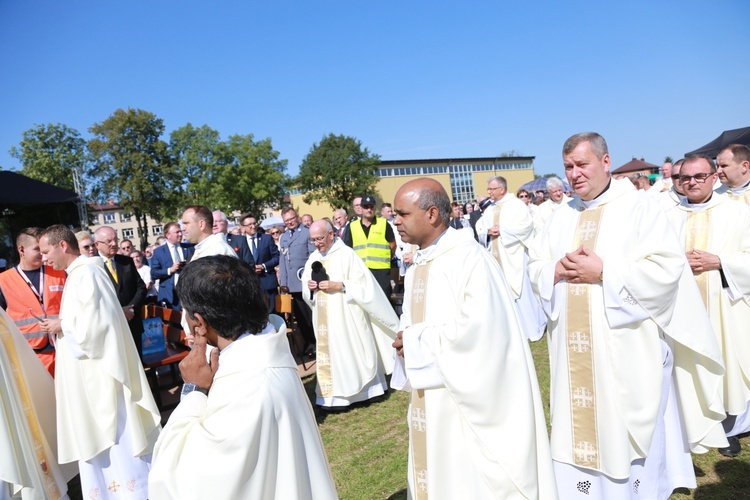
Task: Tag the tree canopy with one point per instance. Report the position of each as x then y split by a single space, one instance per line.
49 153
336 170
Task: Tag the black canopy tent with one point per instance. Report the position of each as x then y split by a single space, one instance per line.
28 202
736 136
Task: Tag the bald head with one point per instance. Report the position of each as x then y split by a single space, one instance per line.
105 240
422 210
321 234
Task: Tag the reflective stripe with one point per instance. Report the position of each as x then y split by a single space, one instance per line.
378 259
359 247
32 320
36 334
378 245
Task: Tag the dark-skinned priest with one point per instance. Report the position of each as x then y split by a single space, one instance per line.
476 423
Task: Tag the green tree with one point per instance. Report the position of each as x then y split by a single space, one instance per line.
131 164
49 153
253 177
336 170
199 155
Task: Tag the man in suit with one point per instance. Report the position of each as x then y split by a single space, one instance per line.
166 268
296 247
474 216
266 256
237 242
131 290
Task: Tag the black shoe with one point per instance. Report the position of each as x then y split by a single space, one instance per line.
733 449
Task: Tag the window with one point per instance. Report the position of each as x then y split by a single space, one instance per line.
109 218
127 233
125 217
157 230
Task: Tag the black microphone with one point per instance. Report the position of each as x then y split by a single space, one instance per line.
318 274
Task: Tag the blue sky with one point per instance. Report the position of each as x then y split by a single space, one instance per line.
410 79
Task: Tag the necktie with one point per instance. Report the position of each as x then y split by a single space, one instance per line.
255 245
175 254
112 271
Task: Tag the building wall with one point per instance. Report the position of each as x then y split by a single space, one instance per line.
470 182
123 224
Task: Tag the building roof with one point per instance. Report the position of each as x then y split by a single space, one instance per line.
101 207
452 161
635 165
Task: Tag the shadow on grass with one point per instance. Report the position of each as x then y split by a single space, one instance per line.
399 495
309 383
734 482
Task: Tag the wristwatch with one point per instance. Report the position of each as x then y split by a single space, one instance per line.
188 388
343 287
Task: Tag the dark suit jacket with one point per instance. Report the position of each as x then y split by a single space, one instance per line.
268 255
131 291
473 219
160 264
239 245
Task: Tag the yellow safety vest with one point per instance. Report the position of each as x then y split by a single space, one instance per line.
374 250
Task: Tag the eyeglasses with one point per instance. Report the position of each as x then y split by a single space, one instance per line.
87 247
107 242
675 177
523 195
250 224
699 178
274 233
492 189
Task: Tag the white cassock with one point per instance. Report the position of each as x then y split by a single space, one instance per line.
545 211
215 244
741 193
28 437
476 422
668 199
510 251
107 419
254 436
626 353
354 330
722 227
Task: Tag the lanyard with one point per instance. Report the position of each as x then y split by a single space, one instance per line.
38 293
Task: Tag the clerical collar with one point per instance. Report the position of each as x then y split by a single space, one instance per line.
268 329
699 206
741 189
423 253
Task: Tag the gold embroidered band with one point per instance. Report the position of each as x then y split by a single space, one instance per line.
697 239
323 356
418 415
580 351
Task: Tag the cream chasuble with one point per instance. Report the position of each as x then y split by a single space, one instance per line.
28 438
722 227
354 330
607 382
741 193
104 402
482 421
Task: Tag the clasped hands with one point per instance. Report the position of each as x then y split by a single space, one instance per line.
579 266
701 261
325 286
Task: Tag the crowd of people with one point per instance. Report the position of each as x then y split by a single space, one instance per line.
641 289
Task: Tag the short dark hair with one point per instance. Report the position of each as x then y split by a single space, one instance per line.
226 292
57 233
201 213
740 152
709 160
596 141
28 232
247 216
287 209
168 227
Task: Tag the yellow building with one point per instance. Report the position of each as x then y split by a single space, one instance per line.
463 178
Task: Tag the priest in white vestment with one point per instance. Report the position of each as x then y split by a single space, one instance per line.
28 438
733 164
354 322
674 195
476 422
632 354
557 198
197 221
506 229
107 419
715 233
244 428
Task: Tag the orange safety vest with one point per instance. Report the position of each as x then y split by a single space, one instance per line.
24 304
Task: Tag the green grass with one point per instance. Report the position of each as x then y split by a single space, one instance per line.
367 448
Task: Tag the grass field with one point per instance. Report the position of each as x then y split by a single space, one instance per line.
367 449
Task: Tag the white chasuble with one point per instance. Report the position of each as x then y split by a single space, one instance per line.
28 446
722 227
606 383
106 414
484 428
354 330
253 437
